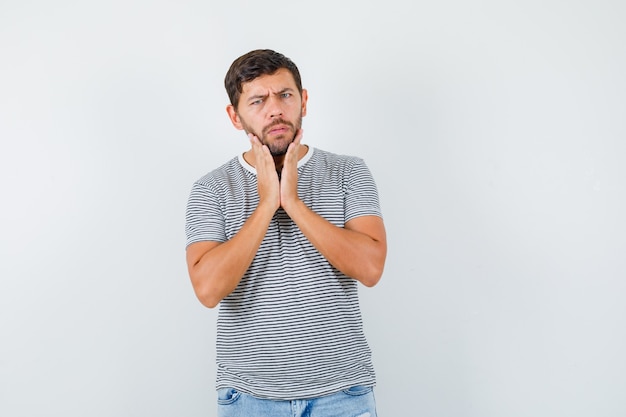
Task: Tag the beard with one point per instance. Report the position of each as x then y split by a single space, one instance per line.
279 144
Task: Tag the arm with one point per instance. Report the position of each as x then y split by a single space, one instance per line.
358 250
215 268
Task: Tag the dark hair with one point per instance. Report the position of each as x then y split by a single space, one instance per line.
254 64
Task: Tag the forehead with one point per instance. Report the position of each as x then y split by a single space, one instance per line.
278 81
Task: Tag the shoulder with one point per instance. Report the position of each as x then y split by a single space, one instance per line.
220 174
330 159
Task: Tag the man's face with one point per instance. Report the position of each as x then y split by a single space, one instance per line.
271 108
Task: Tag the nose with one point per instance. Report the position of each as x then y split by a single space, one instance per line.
275 108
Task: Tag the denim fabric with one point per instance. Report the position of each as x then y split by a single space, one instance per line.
354 402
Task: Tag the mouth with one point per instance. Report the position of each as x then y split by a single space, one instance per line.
279 127
278 130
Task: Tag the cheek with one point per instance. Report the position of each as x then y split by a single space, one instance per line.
250 128
244 122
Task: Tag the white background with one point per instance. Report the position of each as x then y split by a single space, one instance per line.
496 133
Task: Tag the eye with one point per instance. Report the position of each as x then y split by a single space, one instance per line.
285 95
256 102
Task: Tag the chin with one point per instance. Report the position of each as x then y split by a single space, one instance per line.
278 151
279 146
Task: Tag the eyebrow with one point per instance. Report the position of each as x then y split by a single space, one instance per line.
258 96
255 97
285 90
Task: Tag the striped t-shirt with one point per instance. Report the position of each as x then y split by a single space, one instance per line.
292 328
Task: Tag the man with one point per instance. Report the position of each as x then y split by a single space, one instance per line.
279 237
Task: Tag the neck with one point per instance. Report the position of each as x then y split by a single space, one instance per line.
279 161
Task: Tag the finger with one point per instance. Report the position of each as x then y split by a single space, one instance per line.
299 134
254 141
260 151
295 145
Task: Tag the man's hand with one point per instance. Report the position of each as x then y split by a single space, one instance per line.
289 174
267 178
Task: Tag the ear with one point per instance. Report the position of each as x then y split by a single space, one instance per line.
234 117
305 97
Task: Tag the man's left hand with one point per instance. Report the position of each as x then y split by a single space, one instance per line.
289 174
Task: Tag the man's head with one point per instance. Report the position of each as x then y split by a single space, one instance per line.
253 65
267 98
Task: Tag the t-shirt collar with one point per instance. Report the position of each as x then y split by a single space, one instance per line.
301 162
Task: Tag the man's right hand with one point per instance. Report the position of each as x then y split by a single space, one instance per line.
267 177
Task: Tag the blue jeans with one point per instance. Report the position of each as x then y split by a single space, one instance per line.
354 402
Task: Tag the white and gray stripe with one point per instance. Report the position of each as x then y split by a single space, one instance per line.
292 328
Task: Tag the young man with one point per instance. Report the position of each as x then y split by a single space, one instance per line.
279 237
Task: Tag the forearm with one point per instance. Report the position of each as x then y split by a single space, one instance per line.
356 254
216 272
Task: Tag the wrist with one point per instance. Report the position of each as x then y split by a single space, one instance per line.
291 207
267 208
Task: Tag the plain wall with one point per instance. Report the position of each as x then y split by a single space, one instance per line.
496 134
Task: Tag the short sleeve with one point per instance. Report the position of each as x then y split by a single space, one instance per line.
361 198
204 220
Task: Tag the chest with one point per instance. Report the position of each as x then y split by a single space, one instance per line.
322 191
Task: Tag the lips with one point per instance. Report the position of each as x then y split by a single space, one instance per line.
277 130
281 129
278 127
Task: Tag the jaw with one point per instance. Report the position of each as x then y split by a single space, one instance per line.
278 144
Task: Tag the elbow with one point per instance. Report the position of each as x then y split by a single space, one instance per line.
209 302
375 265
207 295
369 283
371 280
372 276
